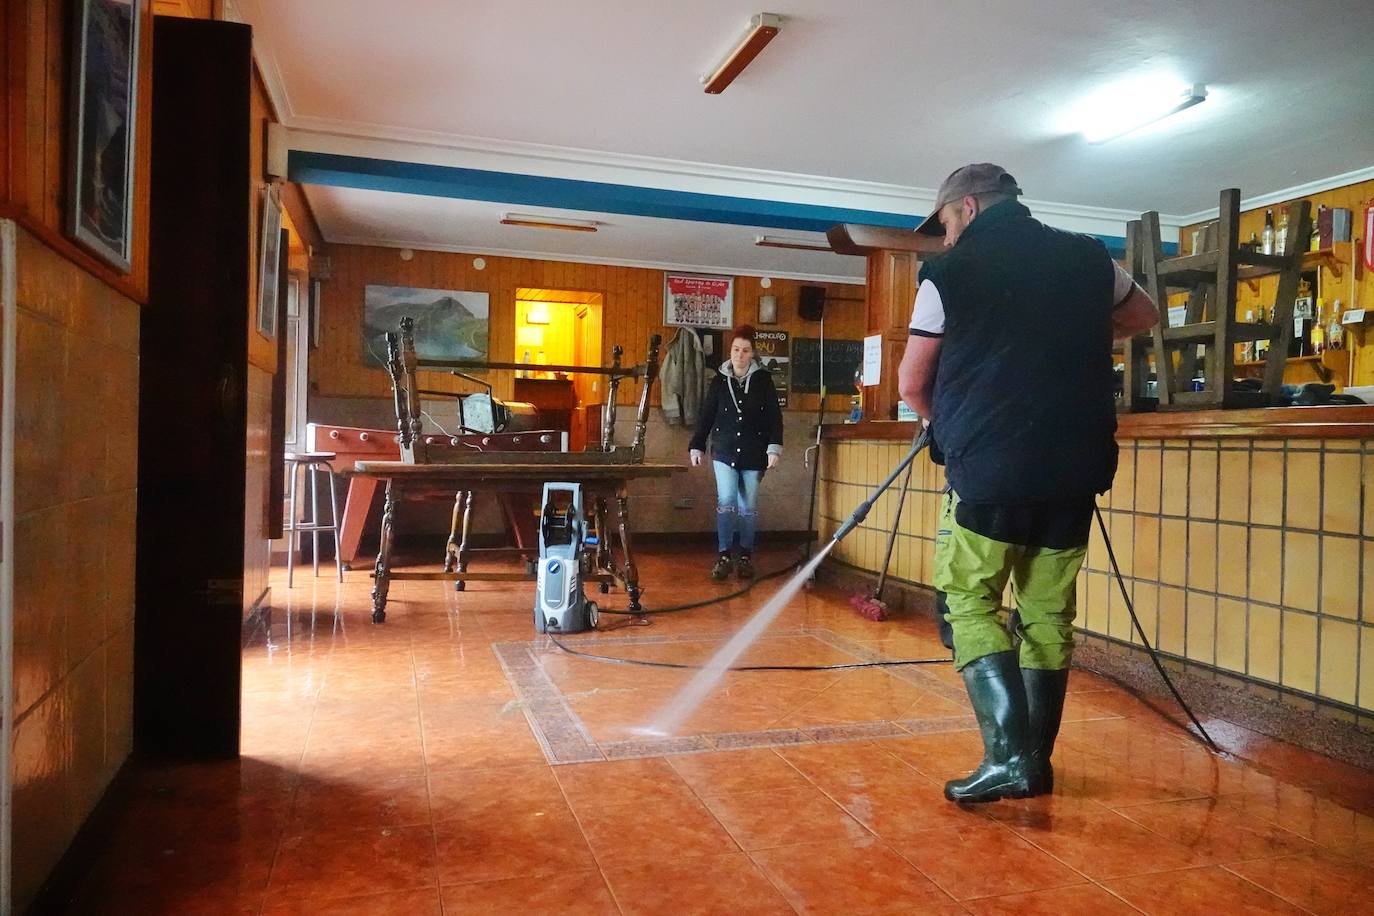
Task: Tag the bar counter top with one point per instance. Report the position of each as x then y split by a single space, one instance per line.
1349 421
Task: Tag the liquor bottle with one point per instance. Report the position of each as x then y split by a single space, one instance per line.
1261 346
1335 331
1281 235
1267 236
1247 350
1317 331
525 373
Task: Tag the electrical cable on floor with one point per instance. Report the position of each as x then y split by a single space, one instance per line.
690 606
682 666
1149 649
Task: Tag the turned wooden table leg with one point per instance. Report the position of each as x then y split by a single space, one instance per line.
464 549
451 547
382 569
630 574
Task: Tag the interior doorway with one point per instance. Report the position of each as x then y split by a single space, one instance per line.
560 327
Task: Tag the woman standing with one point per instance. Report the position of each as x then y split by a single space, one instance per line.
742 417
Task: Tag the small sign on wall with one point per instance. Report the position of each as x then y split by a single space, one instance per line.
774 350
698 300
873 359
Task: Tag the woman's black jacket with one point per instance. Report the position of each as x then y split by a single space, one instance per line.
742 417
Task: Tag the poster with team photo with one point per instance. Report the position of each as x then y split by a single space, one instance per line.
774 350
698 300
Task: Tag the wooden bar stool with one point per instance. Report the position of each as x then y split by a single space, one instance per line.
312 463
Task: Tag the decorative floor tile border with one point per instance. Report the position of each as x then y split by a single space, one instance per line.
564 739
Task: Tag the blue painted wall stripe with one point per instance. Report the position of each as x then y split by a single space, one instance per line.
594 196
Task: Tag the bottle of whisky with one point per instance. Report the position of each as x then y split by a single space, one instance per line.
1261 346
1281 234
1267 236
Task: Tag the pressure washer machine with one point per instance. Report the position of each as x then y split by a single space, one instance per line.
559 603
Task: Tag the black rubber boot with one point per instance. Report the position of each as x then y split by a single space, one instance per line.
1044 708
999 702
722 568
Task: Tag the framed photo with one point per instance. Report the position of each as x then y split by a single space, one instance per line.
104 98
698 300
316 291
269 262
449 323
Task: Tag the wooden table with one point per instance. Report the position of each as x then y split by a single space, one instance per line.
599 480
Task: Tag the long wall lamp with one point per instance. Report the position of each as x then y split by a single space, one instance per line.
780 241
762 28
548 222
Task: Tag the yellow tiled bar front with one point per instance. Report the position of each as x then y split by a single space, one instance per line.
1254 556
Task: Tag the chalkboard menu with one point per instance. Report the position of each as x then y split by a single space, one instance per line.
842 360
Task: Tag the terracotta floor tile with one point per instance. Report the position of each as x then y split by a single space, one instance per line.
783 817
897 810
1322 882
848 764
944 756
620 782
405 903
328 864
706 886
568 893
353 804
460 792
1217 830
1094 840
732 772
983 861
1200 892
674 827
1080 900
511 842
852 876
1321 820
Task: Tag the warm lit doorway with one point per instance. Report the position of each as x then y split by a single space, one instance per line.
560 327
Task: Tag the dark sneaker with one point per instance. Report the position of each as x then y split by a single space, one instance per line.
722 568
744 567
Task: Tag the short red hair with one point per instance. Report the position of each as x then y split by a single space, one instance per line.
744 332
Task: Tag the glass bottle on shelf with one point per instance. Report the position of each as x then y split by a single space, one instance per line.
1261 346
1317 333
1247 350
1335 331
1267 236
1281 234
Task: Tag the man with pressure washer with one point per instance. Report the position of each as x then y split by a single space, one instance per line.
1009 359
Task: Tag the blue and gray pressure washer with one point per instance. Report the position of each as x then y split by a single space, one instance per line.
559 603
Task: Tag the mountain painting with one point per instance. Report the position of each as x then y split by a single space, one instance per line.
449 324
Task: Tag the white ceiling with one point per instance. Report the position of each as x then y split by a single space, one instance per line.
891 91
444 224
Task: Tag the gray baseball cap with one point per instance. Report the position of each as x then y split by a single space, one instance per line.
969 180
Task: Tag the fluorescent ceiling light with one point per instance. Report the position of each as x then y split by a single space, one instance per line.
762 28
548 222
1131 105
781 241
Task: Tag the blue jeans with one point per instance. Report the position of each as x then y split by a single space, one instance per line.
737 498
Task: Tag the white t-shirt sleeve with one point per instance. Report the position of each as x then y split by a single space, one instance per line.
928 314
1122 286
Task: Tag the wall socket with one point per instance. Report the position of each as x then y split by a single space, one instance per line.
684 502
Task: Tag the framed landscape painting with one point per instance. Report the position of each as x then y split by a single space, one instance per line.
449 323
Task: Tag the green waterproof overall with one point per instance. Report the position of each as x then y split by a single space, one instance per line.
972 571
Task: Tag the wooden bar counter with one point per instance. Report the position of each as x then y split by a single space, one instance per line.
1245 538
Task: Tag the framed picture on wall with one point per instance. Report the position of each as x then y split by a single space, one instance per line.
449 323
269 261
100 161
698 300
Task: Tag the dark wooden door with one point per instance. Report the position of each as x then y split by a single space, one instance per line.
192 394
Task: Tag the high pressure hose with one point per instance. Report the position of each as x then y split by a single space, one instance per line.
854 520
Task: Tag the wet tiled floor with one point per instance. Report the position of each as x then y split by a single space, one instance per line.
449 761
